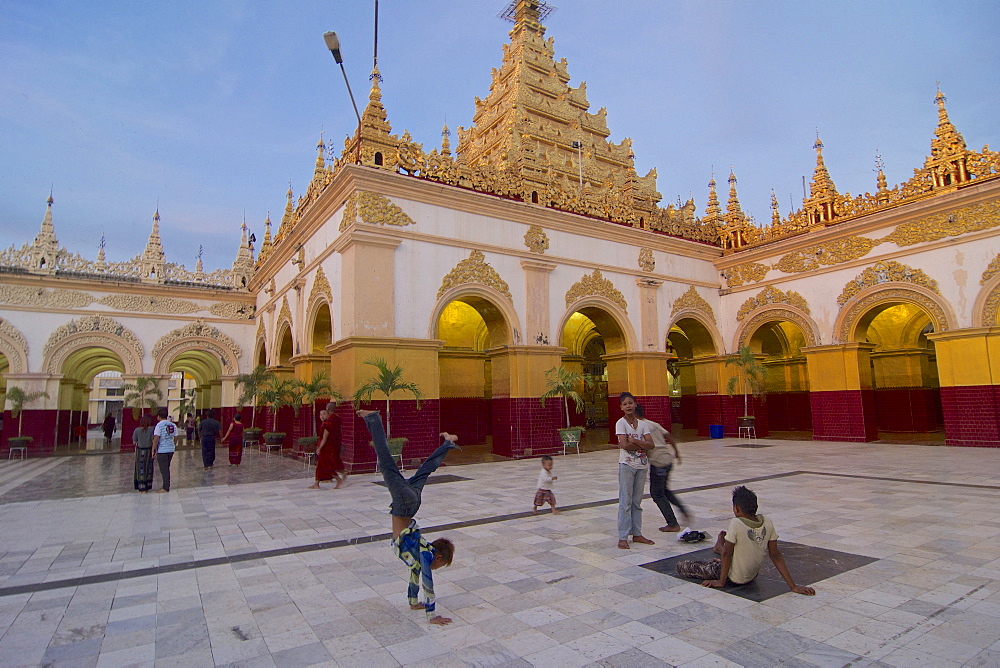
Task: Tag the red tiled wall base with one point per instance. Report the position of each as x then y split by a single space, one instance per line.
844 415
788 411
689 411
971 415
39 424
469 417
422 428
709 411
525 428
128 426
675 410
908 409
733 408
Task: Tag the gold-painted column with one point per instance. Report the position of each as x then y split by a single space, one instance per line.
536 289
841 392
968 362
521 426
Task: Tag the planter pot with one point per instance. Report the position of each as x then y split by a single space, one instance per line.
274 438
746 421
307 443
19 441
571 434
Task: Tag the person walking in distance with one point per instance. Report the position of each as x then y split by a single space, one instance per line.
163 443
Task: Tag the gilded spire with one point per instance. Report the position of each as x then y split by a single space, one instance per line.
320 157
775 214
734 211
378 144
243 265
949 154
44 252
732 232
713 211
820 206
153 259
101 260
882 194
445 140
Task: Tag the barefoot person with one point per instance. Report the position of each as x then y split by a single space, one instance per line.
328 462
419 556
234 438
634 442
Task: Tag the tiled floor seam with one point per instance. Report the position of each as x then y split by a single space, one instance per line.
346 542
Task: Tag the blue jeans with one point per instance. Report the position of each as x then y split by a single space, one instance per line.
631 484
405 493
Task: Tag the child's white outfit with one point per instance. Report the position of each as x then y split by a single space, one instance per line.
544 494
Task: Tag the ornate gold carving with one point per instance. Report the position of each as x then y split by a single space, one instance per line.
595 284
14 347
350 216
772 295
777 315
285 313
885 272
474 269
646 261
149 304
991 270
983 216
832 252
751 272
861 306
990 308
321 287
536 240
196 333
692 300
99 325
28 296
233 310
373 209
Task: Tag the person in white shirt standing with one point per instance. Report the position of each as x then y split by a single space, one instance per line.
163 444
661 461
634 442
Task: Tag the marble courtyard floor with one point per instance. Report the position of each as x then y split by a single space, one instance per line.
248 567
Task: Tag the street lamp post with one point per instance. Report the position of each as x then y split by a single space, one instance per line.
333 43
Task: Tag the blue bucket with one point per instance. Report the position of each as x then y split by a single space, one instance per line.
716 431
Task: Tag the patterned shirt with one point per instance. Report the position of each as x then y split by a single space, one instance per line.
418 555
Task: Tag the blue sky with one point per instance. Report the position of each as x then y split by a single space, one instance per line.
210 108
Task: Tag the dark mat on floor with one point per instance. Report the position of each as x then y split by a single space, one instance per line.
807 564
752 445
433 480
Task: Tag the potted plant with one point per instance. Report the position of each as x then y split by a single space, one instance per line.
749 379
387 381
561 382
18 399
276 395
143 393
309 392
274 437
252 384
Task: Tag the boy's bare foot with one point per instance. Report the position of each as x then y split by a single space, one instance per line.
449 437
623 545
555 512
161 491
339 483
643 540
314 486
362 413
670 528
534 511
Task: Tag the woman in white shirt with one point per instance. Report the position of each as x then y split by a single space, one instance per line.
634 441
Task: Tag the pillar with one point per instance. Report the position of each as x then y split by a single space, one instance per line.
968 362
841 393
521 426
644 374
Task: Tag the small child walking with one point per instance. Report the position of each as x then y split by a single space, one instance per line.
544 494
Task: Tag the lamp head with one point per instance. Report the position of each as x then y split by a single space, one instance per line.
333 43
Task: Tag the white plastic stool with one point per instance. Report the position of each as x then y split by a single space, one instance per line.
750 432
21 451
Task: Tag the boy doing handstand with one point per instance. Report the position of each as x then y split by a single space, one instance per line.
419 556
742 547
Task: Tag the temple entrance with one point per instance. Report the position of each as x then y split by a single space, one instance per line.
904 372
787 408
91 387
692 344
591 337
470 327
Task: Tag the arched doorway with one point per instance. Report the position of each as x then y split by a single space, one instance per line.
471 326
904 370
91 387
787 408
195 383
693 345
322 330
596 344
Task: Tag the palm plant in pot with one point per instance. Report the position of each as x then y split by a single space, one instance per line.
279 393
387 381
18 399
141 395
252 384
749 379
309 392
561 382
